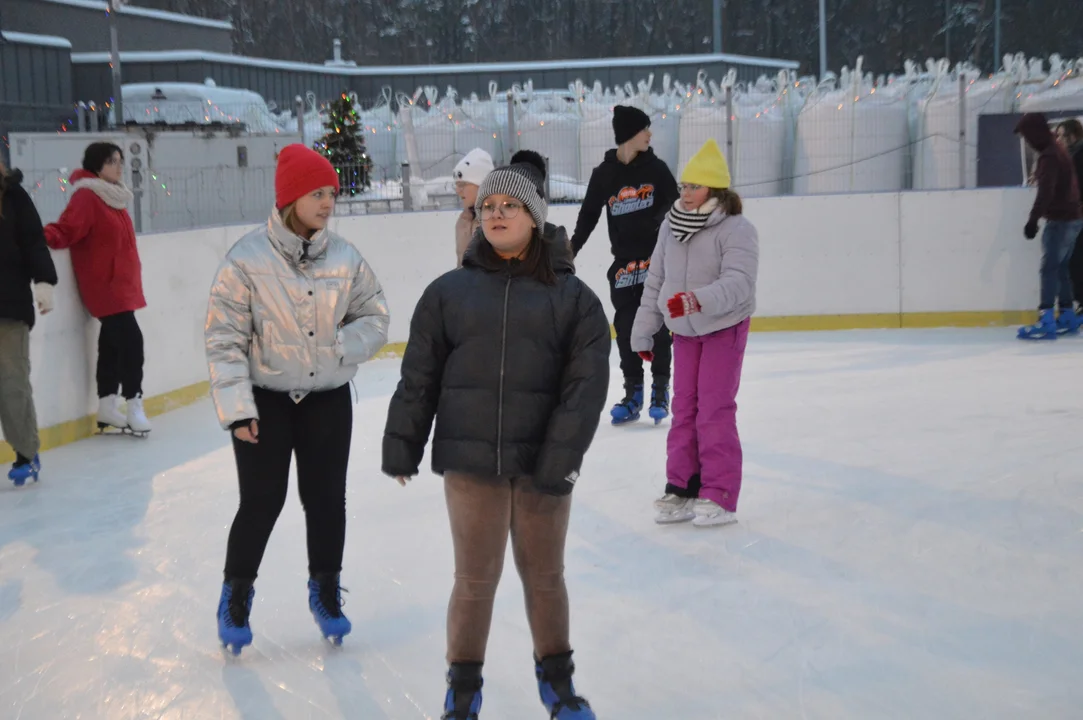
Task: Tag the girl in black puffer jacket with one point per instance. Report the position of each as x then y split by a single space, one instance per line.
510 353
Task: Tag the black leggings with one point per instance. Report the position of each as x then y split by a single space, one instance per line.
318 430
120 356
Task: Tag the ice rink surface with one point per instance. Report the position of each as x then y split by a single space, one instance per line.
910 546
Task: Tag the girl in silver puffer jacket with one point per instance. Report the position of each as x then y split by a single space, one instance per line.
294 311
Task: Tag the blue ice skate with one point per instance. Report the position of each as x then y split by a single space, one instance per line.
1068 322
234 608
463 699
24 470
325 602
628 409
557 692
659 409
1044 329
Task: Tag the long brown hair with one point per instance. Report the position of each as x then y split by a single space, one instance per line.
728 200
1073 128
535 262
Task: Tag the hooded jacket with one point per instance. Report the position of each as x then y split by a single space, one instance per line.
1058 189
719 264
514 371
1076 151
465 226
24 257
97 228
291 316
636 198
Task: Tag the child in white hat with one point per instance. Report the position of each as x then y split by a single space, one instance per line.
469 174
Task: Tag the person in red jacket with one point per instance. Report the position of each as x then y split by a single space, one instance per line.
98 230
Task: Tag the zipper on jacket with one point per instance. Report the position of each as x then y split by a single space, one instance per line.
500 393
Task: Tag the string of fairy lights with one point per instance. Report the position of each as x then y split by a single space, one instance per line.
433 116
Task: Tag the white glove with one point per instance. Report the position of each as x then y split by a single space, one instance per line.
43 296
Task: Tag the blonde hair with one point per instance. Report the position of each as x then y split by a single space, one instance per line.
292 222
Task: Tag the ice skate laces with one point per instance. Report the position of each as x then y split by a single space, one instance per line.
238 609
331 601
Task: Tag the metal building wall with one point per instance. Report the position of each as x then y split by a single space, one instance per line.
35 84
282 82
86 24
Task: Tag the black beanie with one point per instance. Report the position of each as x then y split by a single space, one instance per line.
628 122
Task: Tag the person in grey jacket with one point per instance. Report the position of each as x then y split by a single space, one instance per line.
293 311
702 285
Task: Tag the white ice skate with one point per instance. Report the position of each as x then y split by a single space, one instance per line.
673 509
709 513
109 415
137 417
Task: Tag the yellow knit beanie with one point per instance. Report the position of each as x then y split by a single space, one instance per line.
707 167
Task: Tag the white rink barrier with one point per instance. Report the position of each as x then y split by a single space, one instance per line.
830 262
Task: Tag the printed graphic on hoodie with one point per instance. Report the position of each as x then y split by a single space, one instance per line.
632 274
630 199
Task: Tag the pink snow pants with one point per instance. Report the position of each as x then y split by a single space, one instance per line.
703 439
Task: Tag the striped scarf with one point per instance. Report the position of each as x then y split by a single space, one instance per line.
685 224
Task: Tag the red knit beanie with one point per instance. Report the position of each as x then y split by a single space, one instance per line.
300 171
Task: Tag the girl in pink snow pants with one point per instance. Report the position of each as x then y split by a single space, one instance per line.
702 285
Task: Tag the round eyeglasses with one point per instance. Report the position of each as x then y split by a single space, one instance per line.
508 210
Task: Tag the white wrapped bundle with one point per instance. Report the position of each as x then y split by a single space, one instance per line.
936 151
852 138
549 124
759 126
383 139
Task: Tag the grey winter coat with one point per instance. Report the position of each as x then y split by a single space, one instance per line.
718 264
290 316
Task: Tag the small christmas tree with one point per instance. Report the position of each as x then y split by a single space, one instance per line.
344 146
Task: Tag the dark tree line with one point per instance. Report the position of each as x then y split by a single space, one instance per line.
885 32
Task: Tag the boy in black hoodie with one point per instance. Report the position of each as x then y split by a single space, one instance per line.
637 189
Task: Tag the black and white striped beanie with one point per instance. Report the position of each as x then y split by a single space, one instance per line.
524 180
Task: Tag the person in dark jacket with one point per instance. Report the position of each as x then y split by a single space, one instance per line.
510 354
1058 202
637 189
24 259
1070 133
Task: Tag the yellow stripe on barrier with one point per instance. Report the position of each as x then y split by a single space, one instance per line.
84 427
74 430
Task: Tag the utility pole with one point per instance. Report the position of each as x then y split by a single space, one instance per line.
823 39
114 59
996 37
947 29
717 27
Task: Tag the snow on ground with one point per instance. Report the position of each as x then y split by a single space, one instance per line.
910 546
